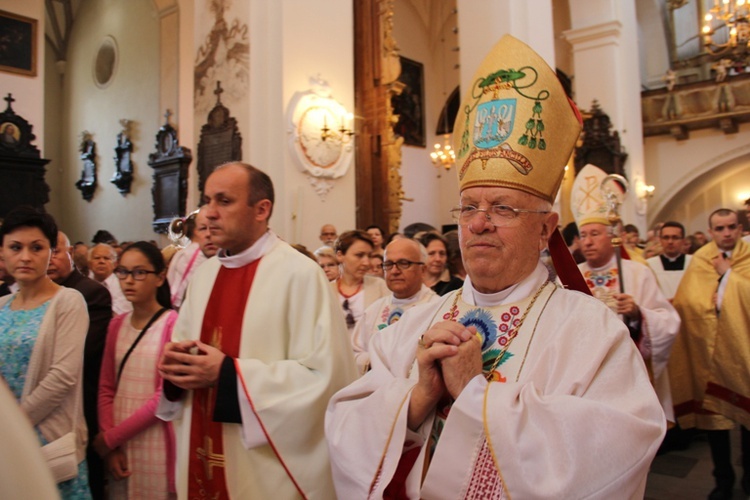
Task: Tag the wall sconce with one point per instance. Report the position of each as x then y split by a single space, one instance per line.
644 191
343 133
320 135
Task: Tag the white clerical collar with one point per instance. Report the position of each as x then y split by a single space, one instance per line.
403 302
513 293
257 250
612 263
670 259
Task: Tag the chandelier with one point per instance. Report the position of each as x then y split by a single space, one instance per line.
731 17
443 155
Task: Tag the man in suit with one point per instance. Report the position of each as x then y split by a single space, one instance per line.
99 303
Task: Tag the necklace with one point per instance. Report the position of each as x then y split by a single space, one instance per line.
453 313
341 292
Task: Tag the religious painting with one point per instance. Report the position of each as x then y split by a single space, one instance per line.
223 55
409 105
9 134
17 44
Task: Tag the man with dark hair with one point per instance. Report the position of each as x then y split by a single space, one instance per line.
671 264
709 366
573 242
415 228
261 346
99 304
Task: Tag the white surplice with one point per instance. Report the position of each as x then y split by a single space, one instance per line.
383 312
669 281
575 416
294 354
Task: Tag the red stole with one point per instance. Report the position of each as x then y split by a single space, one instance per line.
222 328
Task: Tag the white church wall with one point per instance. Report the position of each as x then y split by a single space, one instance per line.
133 94
698 175
290 42
432 196
53 135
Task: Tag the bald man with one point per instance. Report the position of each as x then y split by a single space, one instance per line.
403 263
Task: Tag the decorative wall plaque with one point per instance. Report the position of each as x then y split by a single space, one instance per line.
123 165
21 166
220 140
170 162
87 182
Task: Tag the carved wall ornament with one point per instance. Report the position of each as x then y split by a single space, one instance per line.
600 145
87 183
170 162
123 165
21 165
220 140
320 134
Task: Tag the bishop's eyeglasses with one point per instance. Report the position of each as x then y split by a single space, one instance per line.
497 215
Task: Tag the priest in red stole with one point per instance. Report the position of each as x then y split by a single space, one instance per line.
510 387
259 348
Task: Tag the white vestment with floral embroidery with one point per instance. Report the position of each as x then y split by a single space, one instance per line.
659 320
569 413
383 312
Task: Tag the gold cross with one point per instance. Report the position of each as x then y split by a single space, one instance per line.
589 194
209 458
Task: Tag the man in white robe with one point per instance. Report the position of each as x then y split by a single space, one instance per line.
404 276
283 351
669 267
635 296
510 387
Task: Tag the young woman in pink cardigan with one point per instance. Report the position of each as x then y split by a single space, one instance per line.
138 448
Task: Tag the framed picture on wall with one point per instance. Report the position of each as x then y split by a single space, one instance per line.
409 106
17 44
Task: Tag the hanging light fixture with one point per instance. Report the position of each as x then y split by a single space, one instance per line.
734 15
443 156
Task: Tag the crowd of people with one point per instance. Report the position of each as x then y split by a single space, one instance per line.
486 362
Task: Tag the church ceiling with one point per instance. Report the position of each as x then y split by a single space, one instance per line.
59 23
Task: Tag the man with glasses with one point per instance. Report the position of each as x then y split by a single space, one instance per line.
404 274
709 366
510 386
671 264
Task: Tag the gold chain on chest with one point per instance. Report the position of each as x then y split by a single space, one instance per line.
512 333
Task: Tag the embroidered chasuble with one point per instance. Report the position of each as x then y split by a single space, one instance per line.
222 329
709 365
565 390
504 347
